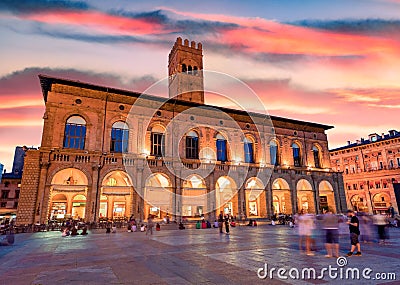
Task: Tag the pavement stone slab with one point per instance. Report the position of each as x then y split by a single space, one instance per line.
180 257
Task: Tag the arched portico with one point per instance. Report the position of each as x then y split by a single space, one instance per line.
68 194
281 197
116 195
226 196
326 196
255 198
158 196
194 197
305 196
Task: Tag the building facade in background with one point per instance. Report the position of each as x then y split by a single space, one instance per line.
371 171
1 170
98 160
10 185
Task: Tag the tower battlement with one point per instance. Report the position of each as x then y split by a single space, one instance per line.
185 71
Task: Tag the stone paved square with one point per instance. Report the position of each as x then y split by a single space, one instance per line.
179 257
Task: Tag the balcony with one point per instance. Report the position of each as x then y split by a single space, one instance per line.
130 159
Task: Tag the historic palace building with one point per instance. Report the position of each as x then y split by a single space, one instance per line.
371 171
101 157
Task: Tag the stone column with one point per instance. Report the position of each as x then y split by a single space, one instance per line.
211 199
140 188
316 195
369 201
41 192
268 197
95 193
44 215
293 192
177 195
339 193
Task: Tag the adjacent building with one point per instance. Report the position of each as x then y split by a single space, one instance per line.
10 185
371 172
98 159
1 170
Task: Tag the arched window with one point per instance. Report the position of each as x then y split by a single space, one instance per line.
296 155
75 133
248 150
273 152
190 69
157 141
119 137
317 159
192 145
195 70
184 69
221 148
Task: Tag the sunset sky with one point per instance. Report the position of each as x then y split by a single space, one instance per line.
332 62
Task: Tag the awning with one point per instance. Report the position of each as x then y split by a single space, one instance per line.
6 212
69 188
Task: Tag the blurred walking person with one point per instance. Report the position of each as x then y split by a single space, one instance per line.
306 225
150 225
380 221
331 227
365 228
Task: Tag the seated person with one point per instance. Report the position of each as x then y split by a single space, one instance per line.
65 232
198 225
74 231
142 228
7 240
233 224
108 228
84 231
158 227
181 226
215 224
208 224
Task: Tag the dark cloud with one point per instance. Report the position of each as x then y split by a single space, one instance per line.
201 27
32 6
290 58
189 27
362 26
26 81
156 16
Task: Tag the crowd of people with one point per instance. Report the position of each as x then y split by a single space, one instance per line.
71 228
360 226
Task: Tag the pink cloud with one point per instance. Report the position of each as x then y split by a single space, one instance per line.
99 21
